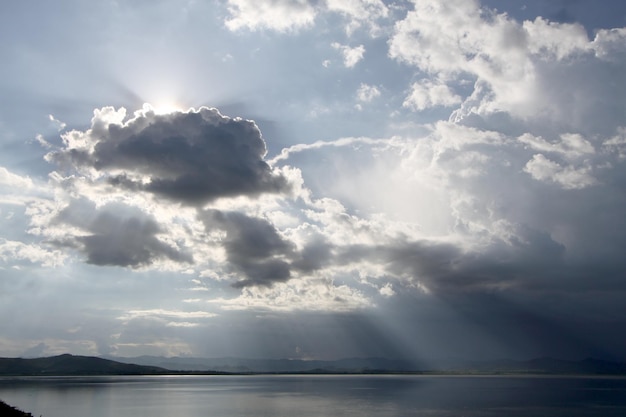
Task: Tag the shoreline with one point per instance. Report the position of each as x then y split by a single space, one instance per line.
305 373
7 410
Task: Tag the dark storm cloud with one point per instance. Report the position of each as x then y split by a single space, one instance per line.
315 255
253 247
192 157
530 260
117 236
256 249
126 242
445 267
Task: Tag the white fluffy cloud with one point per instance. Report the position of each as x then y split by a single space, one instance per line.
298 295
359 12
13 253
367 93
14 181
426 94
351 55
514 61
289 15
280 15
543 169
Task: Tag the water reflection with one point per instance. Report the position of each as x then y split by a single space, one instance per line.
304 396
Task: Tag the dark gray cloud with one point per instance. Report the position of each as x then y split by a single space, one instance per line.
117 236
126 242
191 157
525 261
315 255
253 247
256 249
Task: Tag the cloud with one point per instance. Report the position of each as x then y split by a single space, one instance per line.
253 247
285 153
472 210
115 235
59 125
459 39
279 15
351 55
479 201
569 177
298 295
11 180
387 290
367 93
617 144
15 252
426 94
189 157
359 12
571 146
258 251
168 314
292 15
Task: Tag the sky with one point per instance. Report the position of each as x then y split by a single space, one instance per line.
313 179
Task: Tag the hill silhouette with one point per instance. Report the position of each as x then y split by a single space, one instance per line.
73 365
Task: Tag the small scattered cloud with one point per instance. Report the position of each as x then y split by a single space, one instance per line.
387 290
351 55
367 93
59 125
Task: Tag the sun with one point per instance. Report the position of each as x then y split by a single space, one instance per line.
165 106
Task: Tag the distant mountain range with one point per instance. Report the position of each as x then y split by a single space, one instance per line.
243 365
379 365
587 366
155 365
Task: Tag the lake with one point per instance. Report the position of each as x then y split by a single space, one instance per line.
306 396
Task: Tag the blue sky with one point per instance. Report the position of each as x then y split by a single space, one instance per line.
313 179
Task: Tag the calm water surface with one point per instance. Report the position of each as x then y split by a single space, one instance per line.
306 396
